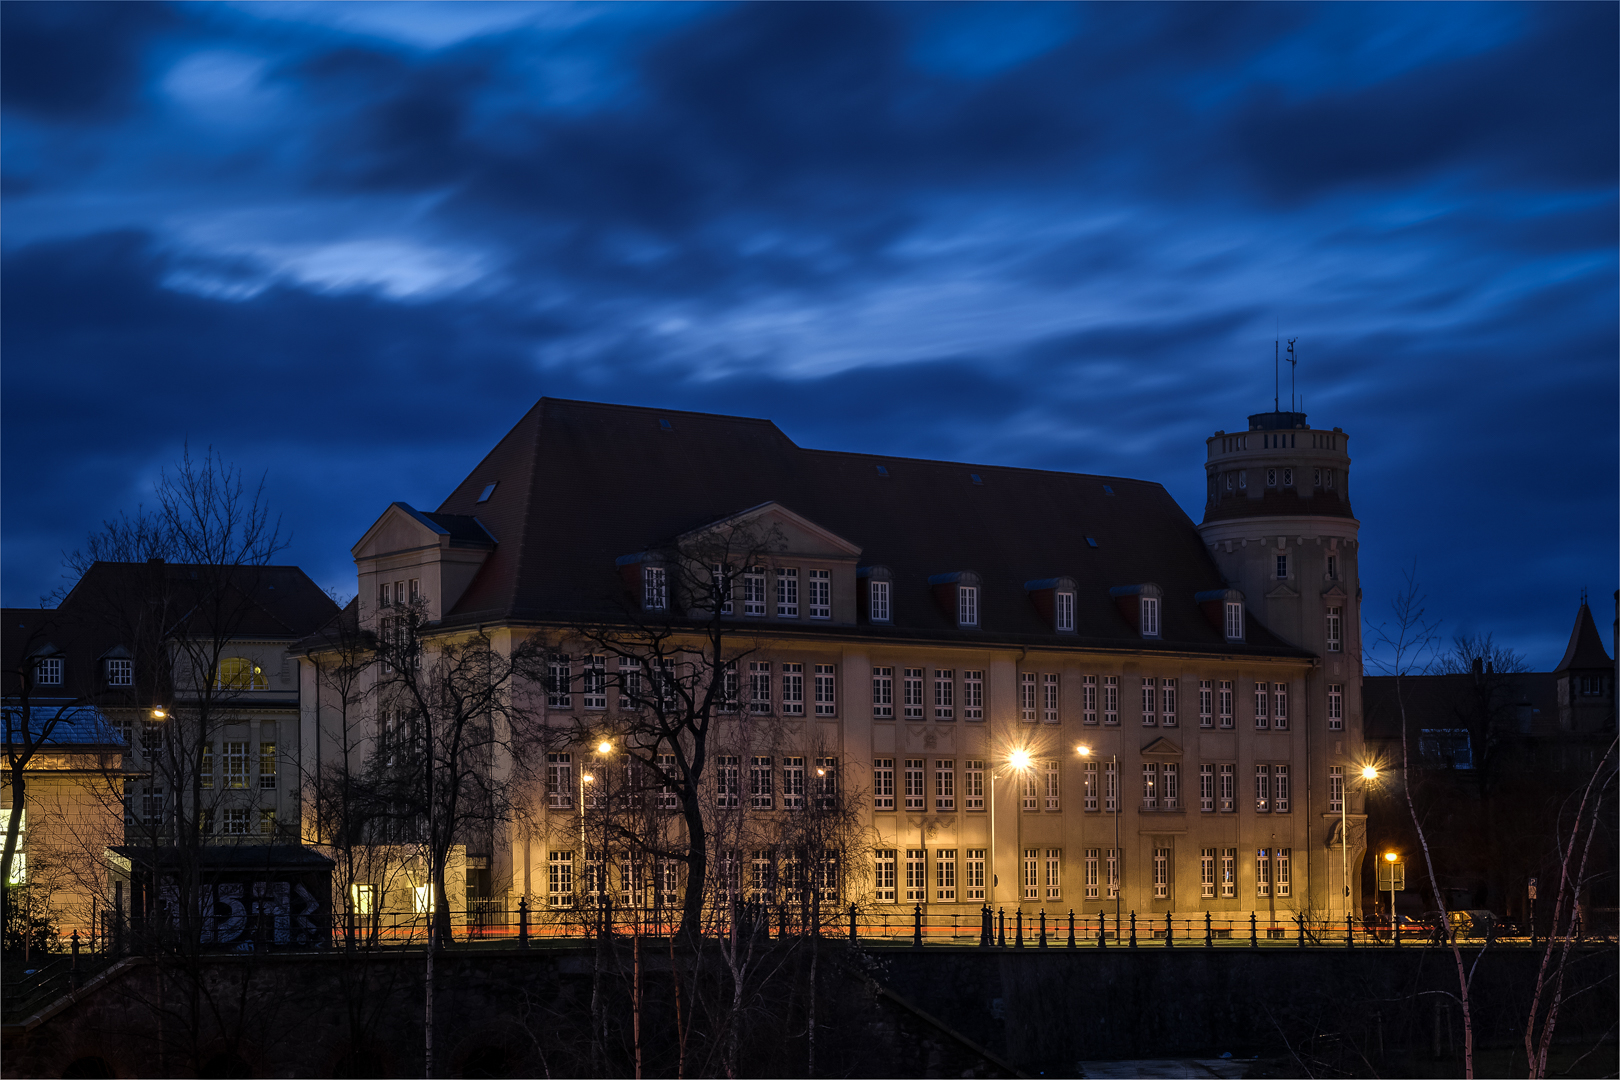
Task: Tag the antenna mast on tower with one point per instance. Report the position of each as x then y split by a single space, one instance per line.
1276 377
1293 370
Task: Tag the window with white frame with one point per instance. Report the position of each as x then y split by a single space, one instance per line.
1279 788
1228 873
665 798
1161 873
1053 883
1262 872
120 672
883 693
883 876
825 783
973 784
728 687
236 764
1335 706
792 688
1089 879
1206 703
1206 789
1026 697
629 683
760 794
1226 788
1226 703
820 582
267 766
1111 786
826 696
973 874
1335 629
916 875
1049 698
759 687
754 591
1262 789
1054 776
825 881
944 784
1029 787
1284 872
1335 789
1150 785
48 671
720 584
1262 705
560 781
593 682
558 682
1090 779
668 883
1279 706
883 783
878 601
207 770
1271 478
967 605
560 879
1150 695
973 695
1032 874
1170 786
1206 873
1167 702
787 592
1288 478
945 875
726 782
913 691
1110 691
944 694
1234 620
1150 616
655 588
916 790
1063 605
235 821
761 876
1088 699
1112 867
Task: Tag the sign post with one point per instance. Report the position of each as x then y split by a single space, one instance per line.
1532 891
1391 876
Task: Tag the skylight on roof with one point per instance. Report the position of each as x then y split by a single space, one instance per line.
1091 541
882 471
489 489
976 479
1107 490
665 424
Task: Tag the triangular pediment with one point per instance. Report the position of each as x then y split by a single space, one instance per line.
1335 592
1282 592
401 528
779 531
1161 747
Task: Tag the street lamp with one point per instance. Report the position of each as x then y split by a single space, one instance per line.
158 713
1085 751
1018 761
1368 775
1392 858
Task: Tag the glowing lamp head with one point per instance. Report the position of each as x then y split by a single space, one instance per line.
604 747
1390 856
1369 773
1019 759
158 714
1083 751
587 778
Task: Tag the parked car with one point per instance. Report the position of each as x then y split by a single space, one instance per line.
1472 923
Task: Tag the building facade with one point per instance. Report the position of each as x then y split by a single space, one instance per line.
1034 689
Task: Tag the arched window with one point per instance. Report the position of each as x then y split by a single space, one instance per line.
240 673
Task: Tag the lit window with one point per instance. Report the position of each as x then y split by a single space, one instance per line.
820 594
1335 706
239 673
363 899
973 695
1064 606
267 823
878 593
967 605
1234 620
120 673
1150 616
883 693
655 594
787 593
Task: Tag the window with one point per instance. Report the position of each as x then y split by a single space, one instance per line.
1088 699
1113 872
826 699
761 873
1327 477
973 784
916 875
883 878
665 799
1054 777
560 879
1206 873
234 673
669 882
1279 788
1028 783
1335 629
728 686
1049 698
1243 479
1284 872
560 781
826 783
1150 785
48 671
883 783
1262 789
1226 790
883 693
1234 621
945 874
1090 872
1271 478
655 591
1161 873
878 595
914 693
973 874
820 594
1282 567
754 591
1228 873
1335 706
1110 699
1167 702
967 605
267 823
1026 697
1090 789
1335 789
236 764
1111 786
1333 567
973 695
1032 874
1446 748
1150 616
1262 872
1150 694
1262 706
1063 604
416 589
759 687
267 766
120 673
787 593
944 784
944 694
1226 703
916 790
1206 703
726 782
1054 874
629 683
207 770
1170 786
557 684
593 682
759 784
792 689
236 822
1288 478
1206 789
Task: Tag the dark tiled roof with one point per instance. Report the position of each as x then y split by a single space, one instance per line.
579 484
1585 645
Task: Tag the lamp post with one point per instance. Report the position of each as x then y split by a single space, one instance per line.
1119 885
1017 761
1394 862
603 748
1368 774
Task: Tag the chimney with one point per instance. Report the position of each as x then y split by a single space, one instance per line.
1479 667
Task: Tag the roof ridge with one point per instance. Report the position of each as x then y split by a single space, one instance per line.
616 406
981 465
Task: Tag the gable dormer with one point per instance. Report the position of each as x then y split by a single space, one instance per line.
409 557
766 562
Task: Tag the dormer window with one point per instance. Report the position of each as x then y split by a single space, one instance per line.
48 671
120 672
967 605
1063 603
957 595
879 594
1234 620
874 600
1054 601
655 588
1150 616
1139 604
1224 610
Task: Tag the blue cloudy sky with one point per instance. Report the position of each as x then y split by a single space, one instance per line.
349 245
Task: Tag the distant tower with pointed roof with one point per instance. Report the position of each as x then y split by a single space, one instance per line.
1585 679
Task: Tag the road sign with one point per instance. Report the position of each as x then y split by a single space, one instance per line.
1391 876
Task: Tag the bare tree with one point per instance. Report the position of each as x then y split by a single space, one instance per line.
1470 649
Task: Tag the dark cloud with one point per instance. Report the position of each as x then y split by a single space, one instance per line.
75 62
